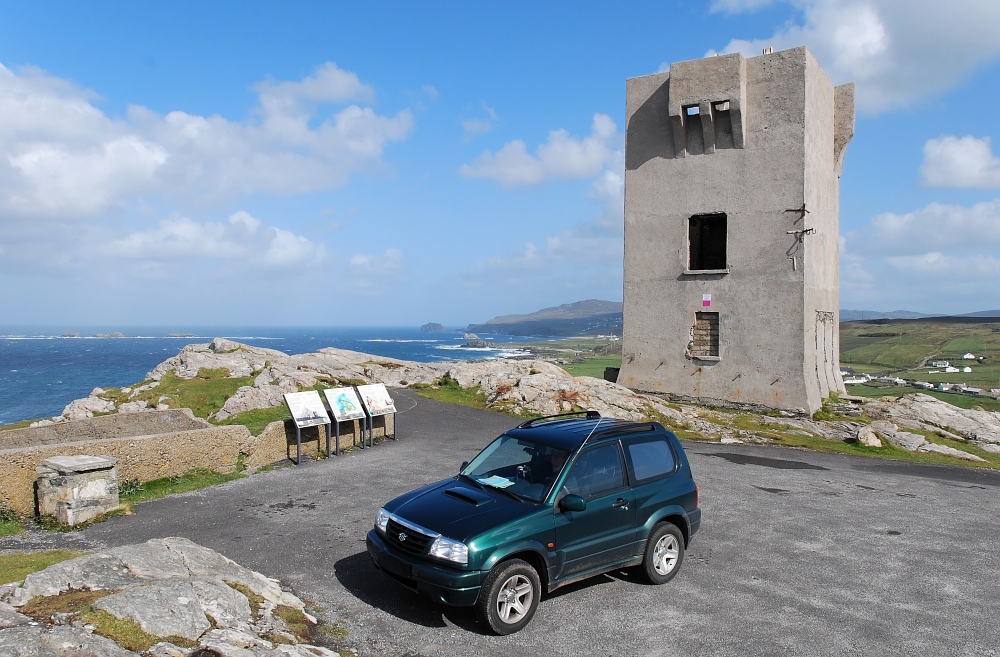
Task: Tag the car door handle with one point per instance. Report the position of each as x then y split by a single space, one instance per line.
620 504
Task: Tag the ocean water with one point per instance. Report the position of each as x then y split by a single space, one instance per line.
44 368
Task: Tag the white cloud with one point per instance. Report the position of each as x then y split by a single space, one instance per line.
431 92
62 157
941 258
480 125
960 162
387 263
897 51
561 156
242 240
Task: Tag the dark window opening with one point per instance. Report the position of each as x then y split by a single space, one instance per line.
705 339
707 241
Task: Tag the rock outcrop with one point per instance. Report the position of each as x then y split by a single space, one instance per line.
526 387
170 587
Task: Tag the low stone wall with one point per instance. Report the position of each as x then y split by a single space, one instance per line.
139 457
116 425
277 441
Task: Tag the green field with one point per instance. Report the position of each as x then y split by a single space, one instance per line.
905 347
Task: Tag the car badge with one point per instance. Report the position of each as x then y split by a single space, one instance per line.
402 536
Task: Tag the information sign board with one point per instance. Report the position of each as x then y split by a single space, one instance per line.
345 404
307 408
376 399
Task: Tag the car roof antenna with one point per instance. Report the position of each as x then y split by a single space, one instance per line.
597 424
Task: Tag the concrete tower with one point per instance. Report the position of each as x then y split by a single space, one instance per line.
732 185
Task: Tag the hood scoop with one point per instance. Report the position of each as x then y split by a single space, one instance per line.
474 497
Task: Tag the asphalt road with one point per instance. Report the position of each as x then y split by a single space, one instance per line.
800 553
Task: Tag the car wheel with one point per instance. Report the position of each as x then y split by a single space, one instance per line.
509 596
664 553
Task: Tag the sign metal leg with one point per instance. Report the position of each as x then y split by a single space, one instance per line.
298 446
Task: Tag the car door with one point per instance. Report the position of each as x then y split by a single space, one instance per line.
603 532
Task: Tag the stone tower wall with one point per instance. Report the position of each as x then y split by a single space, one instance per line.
762 147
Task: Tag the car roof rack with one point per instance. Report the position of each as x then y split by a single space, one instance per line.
589 415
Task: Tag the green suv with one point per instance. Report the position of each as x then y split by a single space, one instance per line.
550 502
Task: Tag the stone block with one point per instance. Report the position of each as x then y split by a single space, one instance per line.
75 489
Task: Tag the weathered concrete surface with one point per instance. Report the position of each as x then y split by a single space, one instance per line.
75 489
103 426
800 553
139 457
761 140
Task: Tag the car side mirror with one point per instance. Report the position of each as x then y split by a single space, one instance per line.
465 464
572 503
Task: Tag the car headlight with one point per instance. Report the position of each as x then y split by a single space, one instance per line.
381 520
449 550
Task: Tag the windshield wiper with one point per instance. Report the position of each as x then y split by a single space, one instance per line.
478 485
519 498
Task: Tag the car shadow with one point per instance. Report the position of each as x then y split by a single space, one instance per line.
364 581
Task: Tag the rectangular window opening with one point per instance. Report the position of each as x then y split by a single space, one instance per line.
705 339
693 110
707 236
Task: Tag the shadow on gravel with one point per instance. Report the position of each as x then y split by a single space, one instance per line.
359 576
778 464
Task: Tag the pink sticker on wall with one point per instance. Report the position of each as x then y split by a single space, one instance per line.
706 300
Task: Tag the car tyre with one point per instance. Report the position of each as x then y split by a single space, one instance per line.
664 553
509 596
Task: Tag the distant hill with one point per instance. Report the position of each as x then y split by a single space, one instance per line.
860 315
855 315
983 313
592 316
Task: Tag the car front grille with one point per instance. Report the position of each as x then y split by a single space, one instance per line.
406 539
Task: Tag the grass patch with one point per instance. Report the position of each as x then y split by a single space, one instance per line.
10 522
593 365
296 622
258 419
967 402
254 599
449 391
16 566
126 632
79 605
189 481
23 424
205 394
51 524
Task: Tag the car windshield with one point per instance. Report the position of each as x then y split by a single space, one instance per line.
517 466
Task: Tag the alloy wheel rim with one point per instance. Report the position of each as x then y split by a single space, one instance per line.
514 599
665 554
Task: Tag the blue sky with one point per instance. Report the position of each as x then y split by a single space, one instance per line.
353 164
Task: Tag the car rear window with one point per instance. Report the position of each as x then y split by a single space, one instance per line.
650 459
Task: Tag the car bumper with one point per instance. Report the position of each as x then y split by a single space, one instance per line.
459 588
694 518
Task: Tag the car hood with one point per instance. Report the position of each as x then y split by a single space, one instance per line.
458 509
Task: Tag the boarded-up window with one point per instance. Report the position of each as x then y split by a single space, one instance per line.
705 342
707 241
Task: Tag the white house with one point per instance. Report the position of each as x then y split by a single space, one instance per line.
969 356
966 369
923 384
951 370
940 363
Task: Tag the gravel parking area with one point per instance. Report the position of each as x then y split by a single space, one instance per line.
800 553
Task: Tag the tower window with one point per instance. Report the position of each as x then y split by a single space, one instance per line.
707 242
705 337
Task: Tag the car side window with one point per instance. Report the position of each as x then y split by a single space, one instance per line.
596 471
650 459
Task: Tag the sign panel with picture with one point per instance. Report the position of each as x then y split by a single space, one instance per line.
376 399
307 408
345 404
